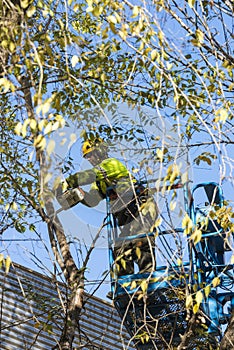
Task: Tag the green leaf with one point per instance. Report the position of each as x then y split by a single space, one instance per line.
20 227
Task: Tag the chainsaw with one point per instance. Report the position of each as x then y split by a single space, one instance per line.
70 198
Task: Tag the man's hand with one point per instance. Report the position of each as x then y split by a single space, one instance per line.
70 198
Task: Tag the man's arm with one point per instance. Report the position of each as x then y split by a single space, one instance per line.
92 198
81 178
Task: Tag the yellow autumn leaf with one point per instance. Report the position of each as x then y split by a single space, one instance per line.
140 296
47 178
199 297
7 264
63 141
30 12
33 124
76 8
152 209
123 263
128 252
138 252
172 205
221 115
147 338
179 262
14 206
41 124
48 128
184 177
38 139
24 127
18 128
122 34
73 137
207 290
24 3
135 11
199 36
7 206
89 9
74 60
196 236
144 286
12 47
50 147
195 308
112 19
154 54
160 35
159 153
158 222
187 224
45 107
189 301
191 3
41 144
1 259
7 85
149 170
216 281
133 285
175 173
89 2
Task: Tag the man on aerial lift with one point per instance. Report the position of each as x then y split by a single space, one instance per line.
131 205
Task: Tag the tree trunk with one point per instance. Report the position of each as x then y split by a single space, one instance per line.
61 249
75 305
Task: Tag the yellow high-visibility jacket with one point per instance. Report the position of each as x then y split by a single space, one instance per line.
109 173
127 196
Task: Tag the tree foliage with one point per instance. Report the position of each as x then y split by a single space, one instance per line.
80 60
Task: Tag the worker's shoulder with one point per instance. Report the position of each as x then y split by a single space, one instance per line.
111 161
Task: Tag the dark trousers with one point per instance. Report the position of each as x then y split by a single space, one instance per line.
139 250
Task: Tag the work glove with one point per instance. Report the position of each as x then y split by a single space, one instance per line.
70 198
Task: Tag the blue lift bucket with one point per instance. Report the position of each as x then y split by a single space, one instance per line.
152 305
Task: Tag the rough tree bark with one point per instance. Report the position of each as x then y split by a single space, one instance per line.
73 275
